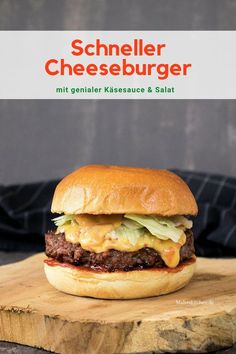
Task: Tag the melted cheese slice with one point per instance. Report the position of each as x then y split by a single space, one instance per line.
95 236
94 220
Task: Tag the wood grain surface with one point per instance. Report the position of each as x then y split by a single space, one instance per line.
200 317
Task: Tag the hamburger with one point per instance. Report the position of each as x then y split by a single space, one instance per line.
122 233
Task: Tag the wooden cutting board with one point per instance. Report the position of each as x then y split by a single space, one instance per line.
200 317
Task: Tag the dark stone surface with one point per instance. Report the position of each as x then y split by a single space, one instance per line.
13 348
12 257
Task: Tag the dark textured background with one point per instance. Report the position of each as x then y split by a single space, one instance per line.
41 140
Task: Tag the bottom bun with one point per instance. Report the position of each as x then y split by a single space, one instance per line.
134 284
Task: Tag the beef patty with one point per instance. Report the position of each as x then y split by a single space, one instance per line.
58 248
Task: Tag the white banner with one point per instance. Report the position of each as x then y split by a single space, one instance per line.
118 65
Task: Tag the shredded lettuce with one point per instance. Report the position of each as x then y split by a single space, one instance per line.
161 227
133 226
63 219
182 221
130 224
132 235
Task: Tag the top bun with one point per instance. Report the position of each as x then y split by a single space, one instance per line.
100 189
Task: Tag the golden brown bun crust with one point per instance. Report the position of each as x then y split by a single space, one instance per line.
119 285
99 189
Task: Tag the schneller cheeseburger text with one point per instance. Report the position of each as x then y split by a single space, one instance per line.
121 66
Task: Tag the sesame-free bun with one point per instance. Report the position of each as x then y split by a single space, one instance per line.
100 189
118 285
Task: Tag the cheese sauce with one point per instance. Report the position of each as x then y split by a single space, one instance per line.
94 235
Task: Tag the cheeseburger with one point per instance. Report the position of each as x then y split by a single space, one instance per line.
123 233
